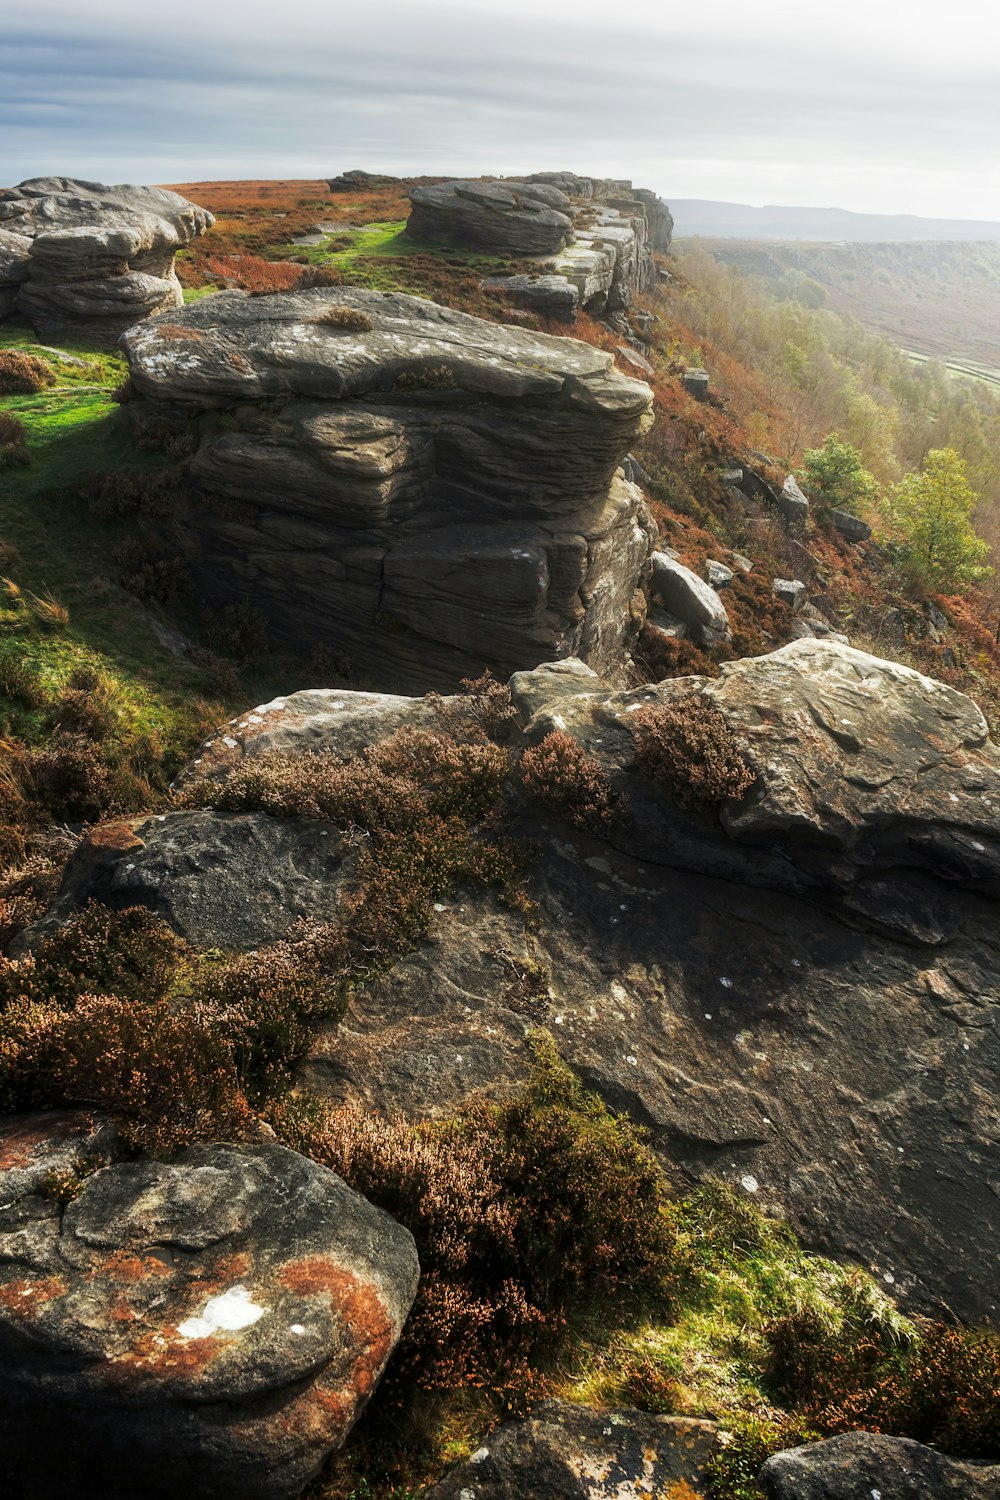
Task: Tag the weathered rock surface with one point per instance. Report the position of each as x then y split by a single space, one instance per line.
563 1452
696 382
358 181
208 1327
92 260
865 1464
793 504
850 526
801 997
516 218
432 496
693 601
790 591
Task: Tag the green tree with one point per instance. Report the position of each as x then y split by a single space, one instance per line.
930 513
835 477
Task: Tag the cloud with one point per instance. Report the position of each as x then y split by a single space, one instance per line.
876 109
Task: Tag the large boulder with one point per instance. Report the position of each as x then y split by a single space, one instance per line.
429 493
563 1452
799 995
93 259
207 1327
866 1464
689 599
507 218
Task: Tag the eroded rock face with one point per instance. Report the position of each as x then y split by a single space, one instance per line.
81 258
432 496
800 997
517 218
563 1452
207 1327
864 1463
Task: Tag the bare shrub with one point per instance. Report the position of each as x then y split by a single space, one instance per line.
687 747
569 783
13 441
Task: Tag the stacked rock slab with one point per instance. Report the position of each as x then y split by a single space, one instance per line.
81 258
431 495
209 1327
600 236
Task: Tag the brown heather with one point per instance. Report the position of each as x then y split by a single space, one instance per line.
686 747
569 783
350 319
23 374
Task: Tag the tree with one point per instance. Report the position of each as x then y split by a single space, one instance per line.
835 477
930 513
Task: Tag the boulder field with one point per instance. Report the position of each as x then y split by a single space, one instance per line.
208 1327
426 492
798 995
79 258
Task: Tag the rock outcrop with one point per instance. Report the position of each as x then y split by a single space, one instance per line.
867 1464
81 258
800 996
563 1452
507 218
358 181
592 241
689 599
429 493
207 1327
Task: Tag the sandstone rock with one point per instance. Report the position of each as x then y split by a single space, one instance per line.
222 880
864 1464
696 384
551 296
432 496
563 1452
512 218
661 220
357 181
569 183
800 995
15 256
688 597
718 575
99 258
852 527
207 1327
793 504
790 591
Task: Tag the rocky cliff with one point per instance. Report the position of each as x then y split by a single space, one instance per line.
81 258
428 493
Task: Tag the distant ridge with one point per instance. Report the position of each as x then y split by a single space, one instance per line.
740 221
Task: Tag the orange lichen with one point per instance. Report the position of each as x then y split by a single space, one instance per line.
118 836
19 1142
22 1299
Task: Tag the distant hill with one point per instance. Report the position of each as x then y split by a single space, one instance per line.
773 222
933 299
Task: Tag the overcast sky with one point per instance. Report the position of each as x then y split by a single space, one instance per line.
889 106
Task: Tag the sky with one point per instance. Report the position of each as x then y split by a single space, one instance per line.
870 105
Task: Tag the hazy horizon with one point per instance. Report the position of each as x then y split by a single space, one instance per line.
886 111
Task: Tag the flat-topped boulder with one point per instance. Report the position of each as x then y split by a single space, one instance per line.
79 257
428 492
515 218
868 1464
210 1326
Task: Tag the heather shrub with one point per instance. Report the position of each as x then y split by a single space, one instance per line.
430 378
13 441
165 1074
942 1388
24 374
28 886
686 747
569 783
350 319
131 954
117 494
519 1211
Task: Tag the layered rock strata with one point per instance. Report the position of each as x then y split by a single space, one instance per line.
81 258
210 1326
599 237
799 996
429 493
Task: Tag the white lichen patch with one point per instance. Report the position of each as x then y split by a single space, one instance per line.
230 1312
